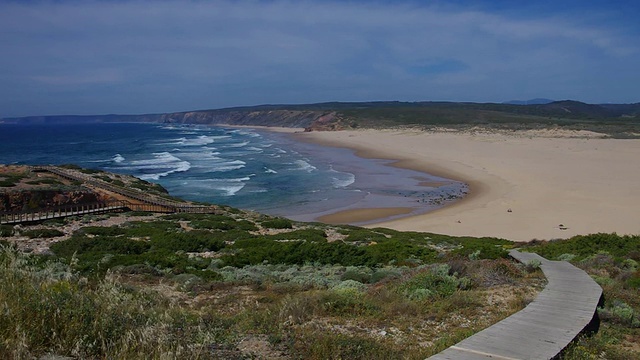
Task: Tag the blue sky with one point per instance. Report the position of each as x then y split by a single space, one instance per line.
132 57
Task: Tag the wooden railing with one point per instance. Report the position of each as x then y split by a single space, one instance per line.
138 201
62 211
171 205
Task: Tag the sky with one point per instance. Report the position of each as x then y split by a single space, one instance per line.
136 57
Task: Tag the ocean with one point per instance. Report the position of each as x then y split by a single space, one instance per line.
246 168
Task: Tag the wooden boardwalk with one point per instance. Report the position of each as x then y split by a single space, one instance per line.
137 201
565 308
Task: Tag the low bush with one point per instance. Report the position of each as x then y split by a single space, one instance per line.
433 281
583 246
42 233
219 222
278 223
6 230
620 312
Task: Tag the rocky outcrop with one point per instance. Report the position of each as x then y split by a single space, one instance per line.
18 201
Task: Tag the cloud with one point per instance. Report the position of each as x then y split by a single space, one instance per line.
100 76
171 55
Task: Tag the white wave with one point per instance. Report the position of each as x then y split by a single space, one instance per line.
270 171
164 163
201 140
303 165
342 179
228 165
253 148
159 159
343 183
117 158
198 141
251 134
228 187
236 145
231 190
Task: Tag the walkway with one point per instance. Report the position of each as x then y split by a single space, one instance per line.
135 201
565 308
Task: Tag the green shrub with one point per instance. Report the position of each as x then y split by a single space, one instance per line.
433 282
399 252
6 230
11 180
42 233
278 223
317 345
588 245
359 274
100 245
219 222
192 241
476 249
532 265
44 182
258 250
566 257
350 285
384 273
365 235
621 313
349 300
633 282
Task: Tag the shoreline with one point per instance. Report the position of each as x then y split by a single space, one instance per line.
382 215
379 192
522 186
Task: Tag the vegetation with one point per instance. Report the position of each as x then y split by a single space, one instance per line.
42 233
301 292
11 179
617 121
234 285
6 230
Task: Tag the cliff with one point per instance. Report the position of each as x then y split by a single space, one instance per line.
277 117
18 201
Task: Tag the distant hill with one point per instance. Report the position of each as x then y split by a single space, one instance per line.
620 120
536 101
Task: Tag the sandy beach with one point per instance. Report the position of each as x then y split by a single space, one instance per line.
523 186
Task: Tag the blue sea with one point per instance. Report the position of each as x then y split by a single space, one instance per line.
246 168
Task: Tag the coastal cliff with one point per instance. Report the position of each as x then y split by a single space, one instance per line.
310 120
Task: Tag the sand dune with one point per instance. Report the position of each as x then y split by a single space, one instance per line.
555 186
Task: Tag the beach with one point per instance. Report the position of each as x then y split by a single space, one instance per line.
523 185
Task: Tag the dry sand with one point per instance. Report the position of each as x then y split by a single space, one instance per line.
556 184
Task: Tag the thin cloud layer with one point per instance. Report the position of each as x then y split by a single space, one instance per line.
138 56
